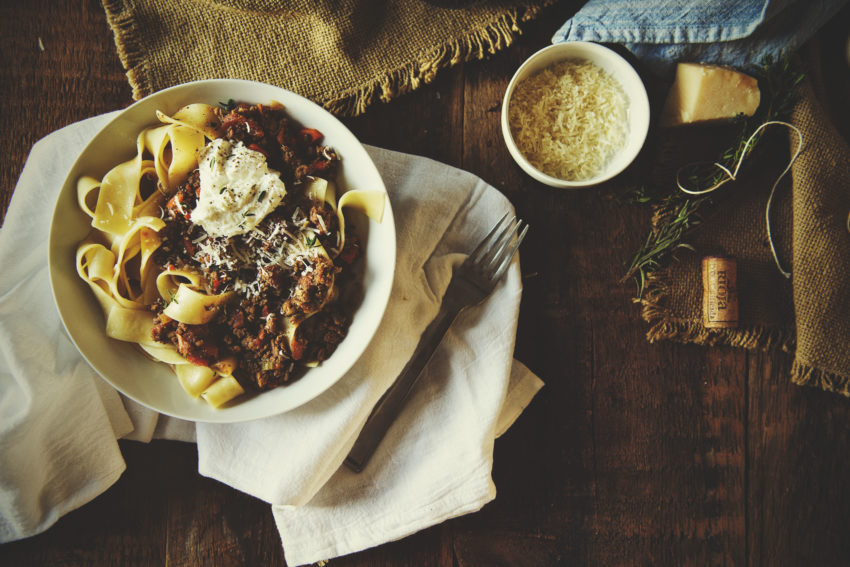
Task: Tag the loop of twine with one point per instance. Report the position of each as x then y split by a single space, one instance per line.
732 175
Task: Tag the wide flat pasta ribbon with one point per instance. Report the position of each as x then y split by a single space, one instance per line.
202 118
116 197
193 307
116 260
174 148
371 203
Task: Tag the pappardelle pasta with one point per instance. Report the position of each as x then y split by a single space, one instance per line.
221 247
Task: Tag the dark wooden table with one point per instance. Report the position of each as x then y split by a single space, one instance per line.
662 454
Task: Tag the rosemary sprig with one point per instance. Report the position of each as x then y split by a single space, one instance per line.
676 213
673 219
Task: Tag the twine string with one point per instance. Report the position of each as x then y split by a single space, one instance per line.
733 174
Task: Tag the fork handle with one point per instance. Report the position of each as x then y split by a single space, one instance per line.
390 404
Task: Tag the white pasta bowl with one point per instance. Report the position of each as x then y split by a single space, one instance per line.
153 383
616 67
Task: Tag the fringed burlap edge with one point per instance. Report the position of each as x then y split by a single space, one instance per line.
129 47
477 44
804 375
663 325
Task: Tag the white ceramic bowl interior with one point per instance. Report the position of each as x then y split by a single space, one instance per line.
152 383
620 69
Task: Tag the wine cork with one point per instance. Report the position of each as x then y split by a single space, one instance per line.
719 292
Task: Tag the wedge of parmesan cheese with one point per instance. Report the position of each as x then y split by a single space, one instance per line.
708 93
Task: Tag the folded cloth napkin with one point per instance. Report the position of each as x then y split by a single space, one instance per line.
727 32
59 421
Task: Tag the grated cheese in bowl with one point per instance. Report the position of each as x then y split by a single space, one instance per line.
575 114
569 119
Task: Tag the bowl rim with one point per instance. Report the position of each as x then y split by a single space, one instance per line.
380 293
641 98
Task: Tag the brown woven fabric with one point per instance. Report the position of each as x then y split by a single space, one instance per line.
810 313
732 225
343 54
822 253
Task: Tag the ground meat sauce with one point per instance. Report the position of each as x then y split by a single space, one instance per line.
250 326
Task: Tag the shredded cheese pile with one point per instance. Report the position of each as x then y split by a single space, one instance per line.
569 119
291 247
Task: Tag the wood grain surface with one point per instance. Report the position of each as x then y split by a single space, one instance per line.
632 454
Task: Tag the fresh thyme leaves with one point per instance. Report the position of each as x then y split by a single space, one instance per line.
780 79
229 105
311 241
262 195
635 196
676 213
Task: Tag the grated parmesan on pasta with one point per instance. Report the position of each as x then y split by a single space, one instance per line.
569 119
291 248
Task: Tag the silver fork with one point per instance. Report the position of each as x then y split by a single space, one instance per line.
470 284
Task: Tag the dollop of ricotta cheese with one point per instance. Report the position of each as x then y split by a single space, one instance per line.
238 189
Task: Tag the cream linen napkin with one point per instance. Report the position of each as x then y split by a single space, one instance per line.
434 464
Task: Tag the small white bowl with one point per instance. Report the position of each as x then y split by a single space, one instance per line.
621 70
152 383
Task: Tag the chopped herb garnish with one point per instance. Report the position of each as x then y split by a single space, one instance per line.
311 241
262 196
229 105
223 189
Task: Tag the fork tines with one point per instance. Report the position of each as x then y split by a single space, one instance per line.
493 255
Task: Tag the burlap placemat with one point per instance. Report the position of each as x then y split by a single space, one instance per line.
808 314
822 253
342 54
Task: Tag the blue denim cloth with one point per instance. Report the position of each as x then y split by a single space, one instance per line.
738 33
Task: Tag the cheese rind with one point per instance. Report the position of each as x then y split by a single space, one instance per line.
708 93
